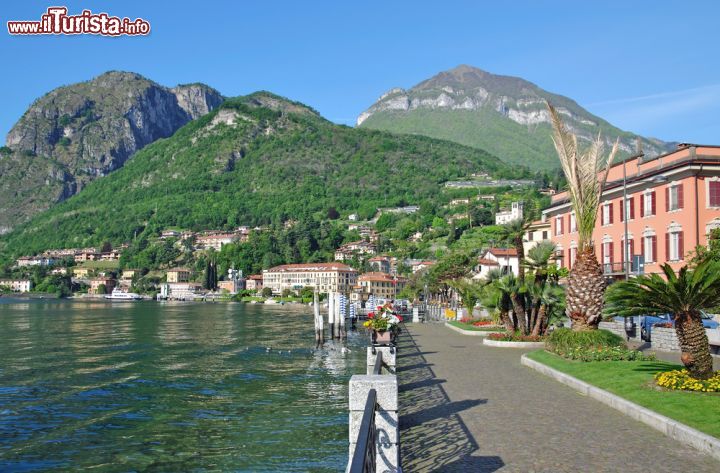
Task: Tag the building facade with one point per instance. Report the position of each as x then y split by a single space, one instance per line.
254 282
380 285
504 259
325 277
17 285
538 231
178 275
673 202
507 216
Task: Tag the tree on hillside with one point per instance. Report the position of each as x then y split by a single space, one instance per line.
586 283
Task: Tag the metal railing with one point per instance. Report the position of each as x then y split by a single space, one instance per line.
363 459
619 268
377 368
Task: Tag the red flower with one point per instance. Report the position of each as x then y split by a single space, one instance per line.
399 317
371 315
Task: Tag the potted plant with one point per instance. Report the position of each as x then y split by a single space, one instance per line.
385 325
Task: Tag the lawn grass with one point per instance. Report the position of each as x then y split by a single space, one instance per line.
633 380
472 328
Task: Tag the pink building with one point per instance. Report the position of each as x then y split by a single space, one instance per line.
673 201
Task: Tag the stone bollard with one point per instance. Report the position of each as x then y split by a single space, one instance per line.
387 458
416 315
388 356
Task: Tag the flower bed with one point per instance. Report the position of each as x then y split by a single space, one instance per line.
513 340
681 380
514 337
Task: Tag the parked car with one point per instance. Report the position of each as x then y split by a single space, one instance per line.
646 322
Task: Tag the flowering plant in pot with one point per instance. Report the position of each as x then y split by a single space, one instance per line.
384 323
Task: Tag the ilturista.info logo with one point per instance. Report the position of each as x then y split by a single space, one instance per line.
57 21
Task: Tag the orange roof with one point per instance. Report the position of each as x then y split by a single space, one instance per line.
376 276
311 267
255 276
487 262
175 270
503 251
379 258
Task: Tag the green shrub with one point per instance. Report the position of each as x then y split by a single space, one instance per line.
616 353
564 340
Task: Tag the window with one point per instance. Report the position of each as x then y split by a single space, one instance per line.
545 235
607 214
674 197
650 248
647 204
572 254
530 236
573 223
629 251
629 209
558 226
714 193
607 253
674 246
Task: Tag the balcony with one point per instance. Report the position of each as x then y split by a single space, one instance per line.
634 267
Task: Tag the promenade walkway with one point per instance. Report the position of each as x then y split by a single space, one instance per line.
470 408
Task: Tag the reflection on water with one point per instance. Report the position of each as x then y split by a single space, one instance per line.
170 387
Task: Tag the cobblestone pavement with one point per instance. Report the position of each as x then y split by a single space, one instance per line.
470 408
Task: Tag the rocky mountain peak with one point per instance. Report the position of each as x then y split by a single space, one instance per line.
76 133
493 112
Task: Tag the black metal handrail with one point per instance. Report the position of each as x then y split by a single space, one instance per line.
379 364
363 459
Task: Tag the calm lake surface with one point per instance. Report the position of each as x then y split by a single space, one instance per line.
170 387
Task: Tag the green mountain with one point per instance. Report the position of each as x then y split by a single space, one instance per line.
254 160
503 115
77 133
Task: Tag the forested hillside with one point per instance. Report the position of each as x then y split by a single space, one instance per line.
255 160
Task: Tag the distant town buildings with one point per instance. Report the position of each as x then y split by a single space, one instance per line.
254 282
101 285
504 259
26 261
506 216
325 277
215 241
354 249
16 285
380 285
175 275
380 264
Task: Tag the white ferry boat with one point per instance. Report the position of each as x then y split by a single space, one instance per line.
118 295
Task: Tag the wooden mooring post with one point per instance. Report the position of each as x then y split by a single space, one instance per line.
319 328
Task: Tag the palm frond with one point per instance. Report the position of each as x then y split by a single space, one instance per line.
581 171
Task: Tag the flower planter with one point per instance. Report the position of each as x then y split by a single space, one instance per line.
503 344
383 337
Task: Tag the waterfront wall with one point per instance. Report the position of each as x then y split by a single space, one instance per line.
387 438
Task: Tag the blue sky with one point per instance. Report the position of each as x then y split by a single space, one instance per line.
651 67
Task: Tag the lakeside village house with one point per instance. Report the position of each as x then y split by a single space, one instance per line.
380 285
325 277
16 285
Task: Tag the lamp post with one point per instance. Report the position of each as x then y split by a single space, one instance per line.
626 248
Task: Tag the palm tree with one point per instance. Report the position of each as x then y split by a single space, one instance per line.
497 295
683 295
543 294
585 283
538 258
514 232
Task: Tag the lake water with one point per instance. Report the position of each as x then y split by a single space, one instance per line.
170 387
